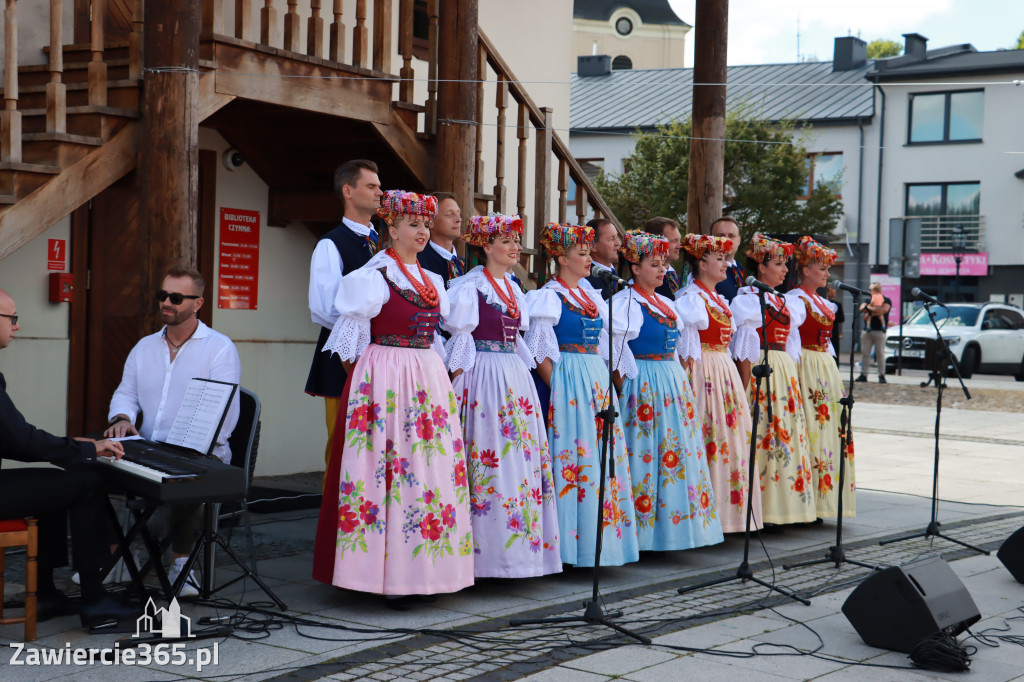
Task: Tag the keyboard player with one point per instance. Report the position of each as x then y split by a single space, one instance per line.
155 378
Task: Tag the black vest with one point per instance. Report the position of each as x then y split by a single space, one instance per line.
431 260
326 375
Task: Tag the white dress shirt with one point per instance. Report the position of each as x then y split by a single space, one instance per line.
443 252
325 272
155 386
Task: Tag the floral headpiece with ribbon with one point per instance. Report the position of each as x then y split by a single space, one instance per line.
636 244
699 244
764 248
809 251
559 238
396 202
483 228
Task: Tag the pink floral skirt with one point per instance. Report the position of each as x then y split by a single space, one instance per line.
395 512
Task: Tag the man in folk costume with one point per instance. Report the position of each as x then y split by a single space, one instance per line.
440 256
342 250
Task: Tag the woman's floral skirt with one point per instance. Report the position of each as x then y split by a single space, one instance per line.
672 494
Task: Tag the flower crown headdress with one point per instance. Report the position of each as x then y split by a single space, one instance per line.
636 244
396 202
809 251
763 247
557 239
483 228
699 244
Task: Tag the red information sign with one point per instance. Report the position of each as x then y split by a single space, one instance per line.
239 266
56 254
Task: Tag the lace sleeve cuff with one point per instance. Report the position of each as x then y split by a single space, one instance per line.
461 352
349 338
542 342
438 346
746 345
689 344
524 353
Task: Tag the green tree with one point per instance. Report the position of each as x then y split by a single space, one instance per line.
882 48
765 177
1020 42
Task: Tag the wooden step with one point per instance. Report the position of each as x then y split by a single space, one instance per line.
121 94
117 49
74 72
85 120
57 149
20 179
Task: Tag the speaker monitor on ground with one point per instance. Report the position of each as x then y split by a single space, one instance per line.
1012 555
899 607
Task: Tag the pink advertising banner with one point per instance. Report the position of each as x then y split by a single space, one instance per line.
972 264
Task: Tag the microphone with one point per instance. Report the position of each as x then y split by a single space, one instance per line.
611 277
921 296
847 287
757 284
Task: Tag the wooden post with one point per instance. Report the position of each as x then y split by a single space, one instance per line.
170 137
456 104
382 35
481 77
56 91
10 118
433 28
523 133
315 30
337 32
268 22
500 101
134 42
707 148
360 36
97 67
581 204
563 189
406 85
542 172
291 26
243 19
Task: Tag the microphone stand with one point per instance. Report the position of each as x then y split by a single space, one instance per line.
836 554
743 572
593 613
939 375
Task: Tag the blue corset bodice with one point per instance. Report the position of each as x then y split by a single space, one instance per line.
657 338
576 332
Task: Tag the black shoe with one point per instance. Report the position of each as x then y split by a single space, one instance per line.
862 378
881 380
54 605
399 602
109 610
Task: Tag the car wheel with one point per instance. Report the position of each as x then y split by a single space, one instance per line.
1019 376
968 361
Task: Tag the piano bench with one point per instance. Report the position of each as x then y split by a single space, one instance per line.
21 533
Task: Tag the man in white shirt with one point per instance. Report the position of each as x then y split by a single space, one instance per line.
345 248
734 273
156 376
604 254
669 229
440 256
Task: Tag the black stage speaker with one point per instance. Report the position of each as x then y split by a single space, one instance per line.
899 607
1012 555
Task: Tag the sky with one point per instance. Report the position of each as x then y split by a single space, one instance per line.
765 31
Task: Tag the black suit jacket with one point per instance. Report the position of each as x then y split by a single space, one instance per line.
605 287
23 442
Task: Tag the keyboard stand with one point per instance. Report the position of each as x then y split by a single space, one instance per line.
142 511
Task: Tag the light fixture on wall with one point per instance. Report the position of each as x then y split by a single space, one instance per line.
233 159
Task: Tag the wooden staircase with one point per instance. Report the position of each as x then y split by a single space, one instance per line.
70 128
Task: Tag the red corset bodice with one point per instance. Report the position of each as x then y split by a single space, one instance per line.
404 320
719 332
816 331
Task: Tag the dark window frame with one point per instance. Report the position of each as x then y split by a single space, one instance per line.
945 117
811 156
944 203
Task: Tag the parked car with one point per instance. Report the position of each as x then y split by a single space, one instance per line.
983 337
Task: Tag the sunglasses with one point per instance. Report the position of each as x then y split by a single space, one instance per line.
12 318
176 298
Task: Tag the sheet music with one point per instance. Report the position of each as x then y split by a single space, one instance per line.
200 414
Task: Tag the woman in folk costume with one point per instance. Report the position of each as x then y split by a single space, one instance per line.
515 521
721 400
568 337
783 449
820 380
675 505
395 513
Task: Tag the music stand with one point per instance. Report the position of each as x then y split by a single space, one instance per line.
939 375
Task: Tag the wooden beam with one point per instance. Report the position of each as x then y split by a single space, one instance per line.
456 103
252 74
31 216
707 147
412 151
286 206
210 101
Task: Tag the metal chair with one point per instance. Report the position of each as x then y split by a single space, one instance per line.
21 533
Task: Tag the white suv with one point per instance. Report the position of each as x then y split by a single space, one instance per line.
984 337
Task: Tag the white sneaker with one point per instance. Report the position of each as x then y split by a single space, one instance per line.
191 586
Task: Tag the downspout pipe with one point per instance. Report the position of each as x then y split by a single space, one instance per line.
878 198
